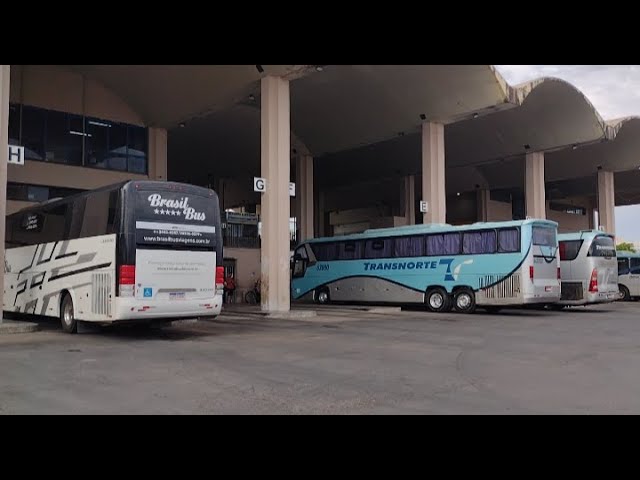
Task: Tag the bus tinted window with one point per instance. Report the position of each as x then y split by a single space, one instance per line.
508 240
99 214
569 249
27 229
55 224
349 250
408 247
635 266
602 246
479 242
378 248
623 266
544 236
325 252
447 244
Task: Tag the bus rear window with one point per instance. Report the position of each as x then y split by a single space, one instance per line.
569 249
544 236
602 246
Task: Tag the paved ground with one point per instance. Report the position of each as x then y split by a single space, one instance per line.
584 361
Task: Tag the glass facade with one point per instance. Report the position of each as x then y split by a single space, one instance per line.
59 137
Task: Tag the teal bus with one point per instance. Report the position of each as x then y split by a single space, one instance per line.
490 265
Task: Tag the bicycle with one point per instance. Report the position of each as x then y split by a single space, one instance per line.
252 297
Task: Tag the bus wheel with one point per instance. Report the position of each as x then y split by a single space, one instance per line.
67 315
626 296
322 296
464 300
438 300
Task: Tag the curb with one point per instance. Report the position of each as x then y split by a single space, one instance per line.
11 326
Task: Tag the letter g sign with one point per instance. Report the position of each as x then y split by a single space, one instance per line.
259 184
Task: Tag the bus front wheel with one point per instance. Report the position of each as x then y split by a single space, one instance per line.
322 296
626 295
67 314
464 300
438 300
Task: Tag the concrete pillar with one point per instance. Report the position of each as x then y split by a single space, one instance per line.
606 201
157 154
275 205
534 185
320 215
304 196
5 72
433 186
409 199
483 196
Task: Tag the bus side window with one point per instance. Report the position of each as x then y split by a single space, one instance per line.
508 240
635 266
623 266
56 226
325 252
405 247
443 244
27 229
96 215
377 248
76 211
484 241
349 250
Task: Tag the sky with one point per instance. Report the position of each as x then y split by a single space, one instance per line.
615 92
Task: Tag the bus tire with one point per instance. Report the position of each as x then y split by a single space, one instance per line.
67 314
626 295
464 300
438 300
322 296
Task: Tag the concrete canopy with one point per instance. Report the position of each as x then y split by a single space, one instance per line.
165 95
342 113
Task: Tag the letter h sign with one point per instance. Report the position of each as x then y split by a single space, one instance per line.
16 155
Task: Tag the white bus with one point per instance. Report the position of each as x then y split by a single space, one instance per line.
629 275
138 250
588 268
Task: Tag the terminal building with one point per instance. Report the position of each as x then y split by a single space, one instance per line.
364 146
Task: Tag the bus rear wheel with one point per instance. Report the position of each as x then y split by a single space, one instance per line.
464 300
322 296
438 300
67 315
626 295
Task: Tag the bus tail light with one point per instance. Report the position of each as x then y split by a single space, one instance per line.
531 272
559 274
593 283
219 278
127 275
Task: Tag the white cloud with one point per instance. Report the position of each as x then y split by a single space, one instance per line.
613 89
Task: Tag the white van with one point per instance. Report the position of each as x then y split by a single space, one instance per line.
588 268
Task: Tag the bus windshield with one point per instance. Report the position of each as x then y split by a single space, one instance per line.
602 246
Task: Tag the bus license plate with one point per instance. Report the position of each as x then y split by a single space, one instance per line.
176 295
